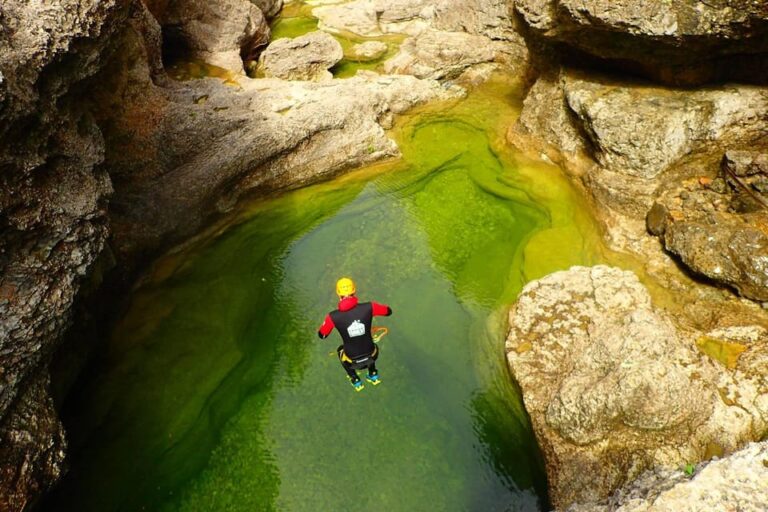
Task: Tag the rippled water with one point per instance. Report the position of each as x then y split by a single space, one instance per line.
214 392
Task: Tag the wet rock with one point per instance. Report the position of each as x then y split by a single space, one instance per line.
547 123
32 447
612 386
53 198
367 51
736 482
676 42
221 32
307 57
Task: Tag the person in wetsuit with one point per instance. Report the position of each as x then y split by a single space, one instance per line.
353 321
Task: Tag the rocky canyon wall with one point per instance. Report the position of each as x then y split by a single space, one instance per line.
657 111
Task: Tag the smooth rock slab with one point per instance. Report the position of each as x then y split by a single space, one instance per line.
307 57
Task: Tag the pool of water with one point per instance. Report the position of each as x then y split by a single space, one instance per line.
214 392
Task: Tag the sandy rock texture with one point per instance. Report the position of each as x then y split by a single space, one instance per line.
448 38
736 482
307 57
221 32
53 213
675 42
613 387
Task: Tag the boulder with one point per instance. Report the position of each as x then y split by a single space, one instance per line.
307 57
438 55
222 33
717 228
368 51
736 482
675 42
613 387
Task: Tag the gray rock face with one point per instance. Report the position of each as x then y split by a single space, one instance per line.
736 482
52 209
611 385
220 32
307 57
678 42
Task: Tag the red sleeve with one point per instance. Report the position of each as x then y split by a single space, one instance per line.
380 309
327 327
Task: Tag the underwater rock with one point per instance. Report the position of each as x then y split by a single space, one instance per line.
220 32
613 387
736 482
674 42
307 57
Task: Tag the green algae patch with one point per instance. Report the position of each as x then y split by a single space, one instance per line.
725 352
294 20
214 393
196 69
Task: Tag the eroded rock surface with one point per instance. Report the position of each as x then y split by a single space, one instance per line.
613 387
677 41
719 228
307 57
736 482
221 32
52 212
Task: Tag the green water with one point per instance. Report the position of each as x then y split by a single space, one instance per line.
296 19
214 392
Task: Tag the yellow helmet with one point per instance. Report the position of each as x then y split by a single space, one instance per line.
345 286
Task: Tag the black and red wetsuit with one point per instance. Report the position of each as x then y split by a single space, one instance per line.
353 321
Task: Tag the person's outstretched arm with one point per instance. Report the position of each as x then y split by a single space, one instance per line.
381 309
326 328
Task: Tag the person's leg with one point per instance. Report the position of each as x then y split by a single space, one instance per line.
373 373
347 366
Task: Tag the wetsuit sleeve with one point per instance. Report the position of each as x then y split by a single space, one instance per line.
381 309
326 328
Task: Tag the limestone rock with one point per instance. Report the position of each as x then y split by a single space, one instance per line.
448 37
612 386
52 212
263 135
436 54
736 482
678 41
712 238
368 51
221 32
307 57
270 8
